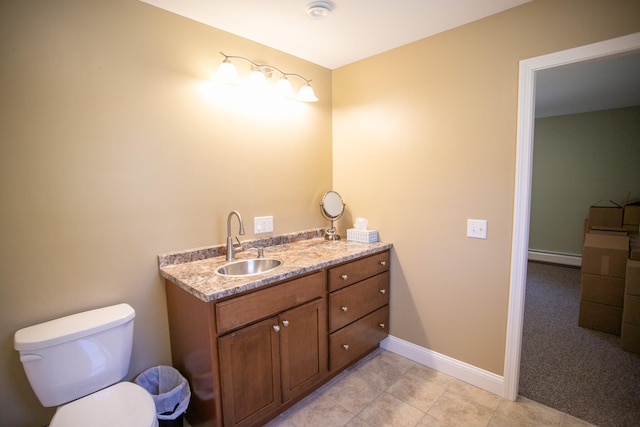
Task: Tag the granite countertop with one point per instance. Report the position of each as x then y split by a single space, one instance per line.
194 269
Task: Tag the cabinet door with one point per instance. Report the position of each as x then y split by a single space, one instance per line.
303 347
250 372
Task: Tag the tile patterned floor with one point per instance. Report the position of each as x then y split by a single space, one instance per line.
386 389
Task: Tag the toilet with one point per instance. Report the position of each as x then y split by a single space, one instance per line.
77 362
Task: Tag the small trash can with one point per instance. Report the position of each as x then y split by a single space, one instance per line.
170 392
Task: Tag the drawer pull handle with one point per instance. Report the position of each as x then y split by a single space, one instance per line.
344 308
276 328
345 346
285 322
382 325
383 291
344 277
383 263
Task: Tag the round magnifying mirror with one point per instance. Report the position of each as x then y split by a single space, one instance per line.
332 209
332 205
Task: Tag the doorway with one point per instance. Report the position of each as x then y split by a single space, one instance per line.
522 196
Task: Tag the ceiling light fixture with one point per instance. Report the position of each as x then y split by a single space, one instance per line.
260 73
319 9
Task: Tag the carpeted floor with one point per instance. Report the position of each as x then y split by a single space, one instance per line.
575 370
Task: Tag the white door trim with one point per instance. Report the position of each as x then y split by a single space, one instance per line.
522 195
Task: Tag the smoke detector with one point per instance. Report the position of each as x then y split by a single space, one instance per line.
319 9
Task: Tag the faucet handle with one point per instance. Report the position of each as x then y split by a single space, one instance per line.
239 246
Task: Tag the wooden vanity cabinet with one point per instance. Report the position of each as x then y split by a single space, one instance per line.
358 308
251 356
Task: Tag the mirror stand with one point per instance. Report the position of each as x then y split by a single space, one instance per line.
332 209
331 233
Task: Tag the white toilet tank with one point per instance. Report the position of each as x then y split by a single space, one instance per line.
73 356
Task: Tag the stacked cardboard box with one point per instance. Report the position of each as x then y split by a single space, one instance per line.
604 259
630 336
631 215
606 217
634 246
610 288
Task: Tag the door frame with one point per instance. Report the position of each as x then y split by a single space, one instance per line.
522 194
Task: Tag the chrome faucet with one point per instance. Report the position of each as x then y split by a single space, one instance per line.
231 247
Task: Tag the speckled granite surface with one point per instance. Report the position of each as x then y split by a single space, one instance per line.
300 253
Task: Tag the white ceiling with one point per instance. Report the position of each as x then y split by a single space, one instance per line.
611 82
357 29
354 30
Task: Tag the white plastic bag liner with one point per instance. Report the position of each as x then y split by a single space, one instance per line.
169 389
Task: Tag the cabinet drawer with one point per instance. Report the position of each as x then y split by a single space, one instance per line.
352 272
353 341
245 309
353 302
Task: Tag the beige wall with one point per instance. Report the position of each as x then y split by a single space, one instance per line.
113 149
424 138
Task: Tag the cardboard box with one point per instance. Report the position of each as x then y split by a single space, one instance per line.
631 213
602 289
600 317
607 216
605 255
632 279
619 231
630 338
631 310
634 246
631 228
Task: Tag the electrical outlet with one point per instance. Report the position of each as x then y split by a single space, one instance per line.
262 224
477 228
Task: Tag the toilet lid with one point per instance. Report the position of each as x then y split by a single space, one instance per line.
124 404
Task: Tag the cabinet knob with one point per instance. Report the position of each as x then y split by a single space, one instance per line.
383 263
344 277
344 308
382 325
383 291
345 346
285 322
276 328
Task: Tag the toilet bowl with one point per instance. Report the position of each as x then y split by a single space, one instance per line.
76 362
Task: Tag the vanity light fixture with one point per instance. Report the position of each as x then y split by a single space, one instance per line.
260 73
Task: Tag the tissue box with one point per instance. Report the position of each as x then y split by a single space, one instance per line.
362 236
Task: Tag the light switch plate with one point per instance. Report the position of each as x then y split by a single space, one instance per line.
477 228
262 224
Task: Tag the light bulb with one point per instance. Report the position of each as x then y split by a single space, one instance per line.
227 73
283 88
257 79
306 94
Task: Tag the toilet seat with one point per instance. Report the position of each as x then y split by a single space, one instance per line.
123 404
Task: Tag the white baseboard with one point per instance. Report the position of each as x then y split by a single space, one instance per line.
463 371
564 259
